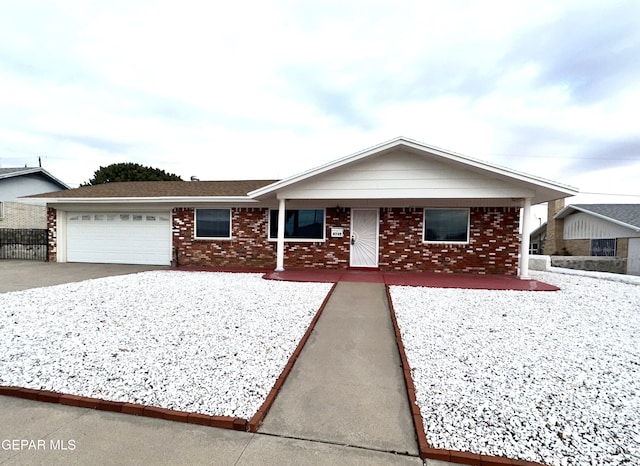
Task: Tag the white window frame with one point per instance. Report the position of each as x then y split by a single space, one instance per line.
424 225
212 238
300 240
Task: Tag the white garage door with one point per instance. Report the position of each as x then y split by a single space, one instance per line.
119 238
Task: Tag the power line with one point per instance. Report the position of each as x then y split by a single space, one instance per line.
610 194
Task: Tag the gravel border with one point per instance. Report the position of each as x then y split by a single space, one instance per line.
548 377
201 342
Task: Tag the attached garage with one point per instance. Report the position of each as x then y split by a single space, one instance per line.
119 238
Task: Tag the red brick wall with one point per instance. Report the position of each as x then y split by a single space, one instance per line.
493 243
492 249
248 248
330 254
52 234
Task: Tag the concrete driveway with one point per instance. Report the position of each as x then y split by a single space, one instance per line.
18 275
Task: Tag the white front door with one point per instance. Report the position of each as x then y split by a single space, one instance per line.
364 237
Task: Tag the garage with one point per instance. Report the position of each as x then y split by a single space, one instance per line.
119 238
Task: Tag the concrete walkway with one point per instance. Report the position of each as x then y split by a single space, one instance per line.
347 385
345 389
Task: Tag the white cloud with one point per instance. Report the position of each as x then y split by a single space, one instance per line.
269 89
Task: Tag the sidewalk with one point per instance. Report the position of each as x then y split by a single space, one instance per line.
347 385
77 436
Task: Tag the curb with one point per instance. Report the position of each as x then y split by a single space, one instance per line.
222 422
425 451
256 420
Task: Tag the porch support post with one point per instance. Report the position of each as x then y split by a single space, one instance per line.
524 242
280 241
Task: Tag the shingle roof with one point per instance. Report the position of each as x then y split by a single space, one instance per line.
127 189
6 171
628 214
27 171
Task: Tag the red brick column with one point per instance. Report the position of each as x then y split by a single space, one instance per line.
52 234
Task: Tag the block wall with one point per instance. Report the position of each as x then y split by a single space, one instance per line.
18 215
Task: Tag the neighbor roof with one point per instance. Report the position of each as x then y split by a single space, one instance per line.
626 215
153 189
14 172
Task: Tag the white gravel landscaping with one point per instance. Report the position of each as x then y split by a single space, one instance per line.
552 377
211 343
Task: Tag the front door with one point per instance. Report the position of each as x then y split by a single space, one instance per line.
364 237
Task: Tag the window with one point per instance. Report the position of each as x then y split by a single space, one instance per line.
1 209
303 224
603 247
213 223
446 225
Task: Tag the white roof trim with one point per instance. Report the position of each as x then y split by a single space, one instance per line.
150 200
570 208
32 170
402 141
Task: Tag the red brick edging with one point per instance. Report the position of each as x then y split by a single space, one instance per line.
223 422
425 451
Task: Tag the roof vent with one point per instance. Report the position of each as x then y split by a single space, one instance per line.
195 178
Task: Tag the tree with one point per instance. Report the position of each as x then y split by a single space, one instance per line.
129 172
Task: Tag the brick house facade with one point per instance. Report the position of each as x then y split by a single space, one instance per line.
492 249
369 210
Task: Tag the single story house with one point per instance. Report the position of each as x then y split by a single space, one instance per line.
599 230
15 183
537 239
401 205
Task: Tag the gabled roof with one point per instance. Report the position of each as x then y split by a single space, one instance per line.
539 230
158 189
15 172
626 215
546 190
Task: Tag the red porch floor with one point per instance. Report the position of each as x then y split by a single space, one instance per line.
429 279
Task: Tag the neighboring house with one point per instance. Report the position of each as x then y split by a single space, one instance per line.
18 182
598 230
401 205
538 237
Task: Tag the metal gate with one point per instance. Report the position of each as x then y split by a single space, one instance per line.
603 247
23 244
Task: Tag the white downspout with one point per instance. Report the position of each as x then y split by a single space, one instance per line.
280 241
525 241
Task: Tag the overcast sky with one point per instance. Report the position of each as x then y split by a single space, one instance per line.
267 89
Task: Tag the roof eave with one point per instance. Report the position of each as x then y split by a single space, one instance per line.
403 141
33 170
565 212
147 200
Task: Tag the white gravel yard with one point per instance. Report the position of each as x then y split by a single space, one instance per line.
552 377
211 343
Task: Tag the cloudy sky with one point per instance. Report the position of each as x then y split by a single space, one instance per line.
263 89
